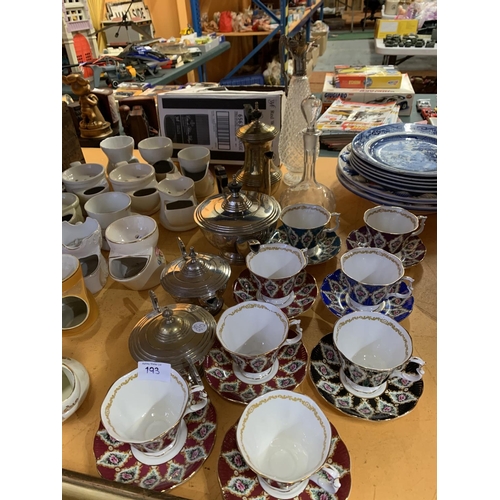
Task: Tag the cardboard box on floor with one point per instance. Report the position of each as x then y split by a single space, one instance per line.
404 96
211 118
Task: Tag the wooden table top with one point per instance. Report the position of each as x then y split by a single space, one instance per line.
394 459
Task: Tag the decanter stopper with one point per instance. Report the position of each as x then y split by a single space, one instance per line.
311 109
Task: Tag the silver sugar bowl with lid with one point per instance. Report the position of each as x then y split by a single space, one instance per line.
197 278
236 220
178 334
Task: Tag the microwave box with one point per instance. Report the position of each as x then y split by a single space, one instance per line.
211 117
362 77
404 96
384 27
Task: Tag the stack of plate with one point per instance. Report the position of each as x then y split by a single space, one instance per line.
393 164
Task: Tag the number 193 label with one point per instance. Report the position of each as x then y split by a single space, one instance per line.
150 370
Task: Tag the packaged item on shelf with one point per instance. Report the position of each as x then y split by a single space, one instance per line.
385 27
211 116
403 96
362 77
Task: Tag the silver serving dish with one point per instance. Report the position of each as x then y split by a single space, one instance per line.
197 278
235 220
178 334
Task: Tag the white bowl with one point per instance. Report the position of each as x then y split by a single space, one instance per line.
118 148
83 176
154 149
131 235
194 158
132 176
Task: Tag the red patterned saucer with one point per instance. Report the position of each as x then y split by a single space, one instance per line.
305 290
115 461
220 375
238 481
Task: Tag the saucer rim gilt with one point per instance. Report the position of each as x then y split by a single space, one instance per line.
341 299
279 236
415 388
259 389
404 258
193 421
229 445
245 274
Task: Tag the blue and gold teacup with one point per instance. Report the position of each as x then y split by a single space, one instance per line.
306 225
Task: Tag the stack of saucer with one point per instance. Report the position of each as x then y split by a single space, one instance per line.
393 164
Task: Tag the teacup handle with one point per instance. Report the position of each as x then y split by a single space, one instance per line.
196 392
336 216
411 377
422 219
198 398
330 485
409 284
298 330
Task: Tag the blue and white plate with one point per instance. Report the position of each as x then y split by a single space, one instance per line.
377 176
377 193
405 148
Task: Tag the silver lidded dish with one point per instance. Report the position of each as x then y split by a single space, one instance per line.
178 334
197 278
236 219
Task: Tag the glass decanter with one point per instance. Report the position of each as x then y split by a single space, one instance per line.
308 190
291 146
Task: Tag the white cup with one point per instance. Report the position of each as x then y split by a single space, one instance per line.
372 274
274 269
178 203
85 180
108 207
372 349
389 227
75 386
118 148
154 149
71 210
285 438
253 333
84 241
194 159
148 414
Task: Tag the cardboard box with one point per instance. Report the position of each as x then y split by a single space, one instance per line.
401 27
371 77
405 95
211 118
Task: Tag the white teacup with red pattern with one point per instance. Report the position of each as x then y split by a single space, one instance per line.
285 438
252 333
274 268
148 414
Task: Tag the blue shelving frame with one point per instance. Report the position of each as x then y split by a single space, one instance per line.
282 22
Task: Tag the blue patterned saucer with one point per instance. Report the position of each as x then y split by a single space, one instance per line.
399 398
327 249
334 295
